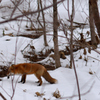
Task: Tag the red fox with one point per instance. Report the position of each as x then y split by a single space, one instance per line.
28 68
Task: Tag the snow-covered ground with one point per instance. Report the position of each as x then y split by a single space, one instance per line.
87 71
89 83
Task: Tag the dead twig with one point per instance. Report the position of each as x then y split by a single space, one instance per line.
29 13
93 58
2 96
81 94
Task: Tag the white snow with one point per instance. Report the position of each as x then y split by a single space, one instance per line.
10 51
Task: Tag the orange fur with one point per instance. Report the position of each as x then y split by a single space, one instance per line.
28 68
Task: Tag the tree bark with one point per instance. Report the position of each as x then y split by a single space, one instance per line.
44 27
55 34
71 38
96 15
92 28
39 2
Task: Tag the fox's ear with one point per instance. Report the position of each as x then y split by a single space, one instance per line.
12 65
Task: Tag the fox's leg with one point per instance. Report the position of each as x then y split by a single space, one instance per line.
39 78
23 79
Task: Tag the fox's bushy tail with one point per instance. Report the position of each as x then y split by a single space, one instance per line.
48 78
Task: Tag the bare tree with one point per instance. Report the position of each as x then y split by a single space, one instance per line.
72 63
39 2
92 28
44 26
15 18
71 38
96 15
55 34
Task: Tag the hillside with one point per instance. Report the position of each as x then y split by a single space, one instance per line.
15 49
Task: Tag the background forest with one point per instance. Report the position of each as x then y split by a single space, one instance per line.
63 36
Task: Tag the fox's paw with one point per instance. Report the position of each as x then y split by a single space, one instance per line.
39 85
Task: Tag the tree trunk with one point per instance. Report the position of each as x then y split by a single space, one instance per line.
71 38
55 34
96 15
72 63
92 28
44 27
39 2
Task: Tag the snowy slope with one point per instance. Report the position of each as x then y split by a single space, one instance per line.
10 51
66 85
65 76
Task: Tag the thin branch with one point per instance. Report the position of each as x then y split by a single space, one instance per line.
93 58
78 87
16 5
29 13
25 15
97 51
5 91
2 96
81 94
